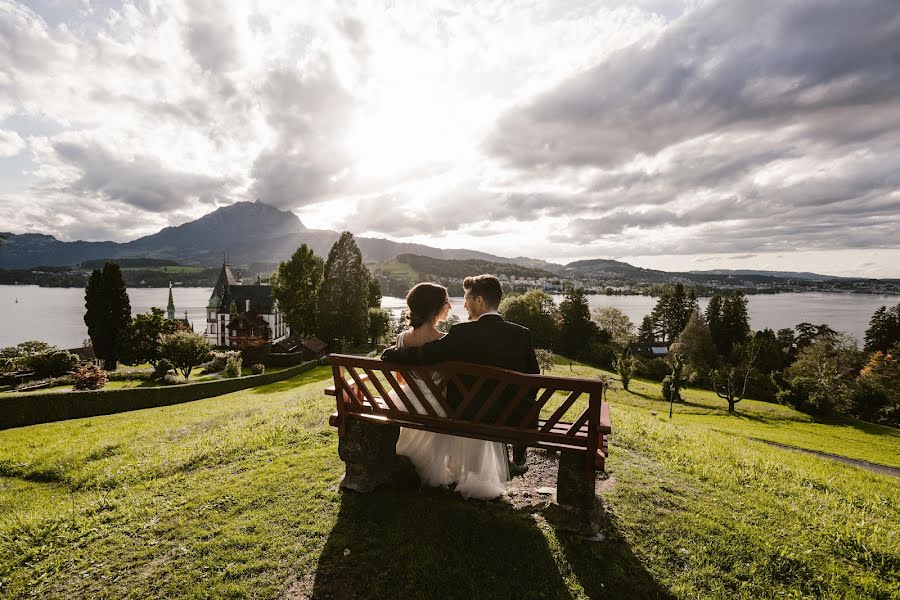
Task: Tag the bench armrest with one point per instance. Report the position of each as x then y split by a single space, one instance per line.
331 391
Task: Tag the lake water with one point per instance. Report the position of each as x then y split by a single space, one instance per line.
55 315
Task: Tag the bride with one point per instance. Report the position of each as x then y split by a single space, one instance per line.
478 468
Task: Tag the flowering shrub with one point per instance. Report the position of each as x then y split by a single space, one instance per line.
89 378
233 366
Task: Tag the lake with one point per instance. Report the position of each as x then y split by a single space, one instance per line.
55 315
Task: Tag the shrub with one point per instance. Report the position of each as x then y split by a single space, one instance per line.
162 368
625 367
91 377
258 369
217 364
233 367
52 363
653 368
545 358
602 354
172 379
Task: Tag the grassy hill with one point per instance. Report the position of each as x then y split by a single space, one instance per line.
236 496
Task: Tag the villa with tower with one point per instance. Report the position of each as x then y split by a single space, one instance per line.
239 313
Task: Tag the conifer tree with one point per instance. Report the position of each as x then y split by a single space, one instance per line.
884 329
344 295
107 313
296 288
576 327
735 325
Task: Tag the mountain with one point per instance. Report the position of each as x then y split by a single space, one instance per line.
245 232
600 268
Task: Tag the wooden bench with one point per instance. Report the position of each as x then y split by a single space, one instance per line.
369 418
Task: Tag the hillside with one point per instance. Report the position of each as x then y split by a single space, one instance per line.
396 276
237 497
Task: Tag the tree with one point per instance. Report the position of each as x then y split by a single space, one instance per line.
879 396
545 358
646 333
730 380
296 287
714 322
671 384
344 295
576 327
107 312
535 310
807 333
884 329
696 348
140 343
52 363
374 293
615 322
626 365
671 313
379 324
734 327
185 350
822 379
445 326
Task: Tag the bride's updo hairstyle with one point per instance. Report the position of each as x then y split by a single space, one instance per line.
425 302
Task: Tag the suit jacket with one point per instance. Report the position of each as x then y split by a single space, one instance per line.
488 341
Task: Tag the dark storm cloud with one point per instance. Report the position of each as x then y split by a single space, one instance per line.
142 182
728 64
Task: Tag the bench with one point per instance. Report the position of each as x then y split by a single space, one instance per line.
368 418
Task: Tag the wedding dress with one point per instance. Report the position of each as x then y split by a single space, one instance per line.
478 468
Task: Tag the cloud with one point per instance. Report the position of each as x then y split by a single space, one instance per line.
141 181
11 143
726 64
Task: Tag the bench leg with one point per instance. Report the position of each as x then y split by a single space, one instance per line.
369 452
579 508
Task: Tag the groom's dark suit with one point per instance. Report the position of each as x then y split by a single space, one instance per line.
488 341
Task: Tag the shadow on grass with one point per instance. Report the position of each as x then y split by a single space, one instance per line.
432 543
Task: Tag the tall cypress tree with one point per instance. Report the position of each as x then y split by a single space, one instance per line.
107 312
344 295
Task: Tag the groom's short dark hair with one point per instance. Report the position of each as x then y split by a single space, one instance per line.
486 286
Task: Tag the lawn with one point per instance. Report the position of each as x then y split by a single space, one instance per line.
236 496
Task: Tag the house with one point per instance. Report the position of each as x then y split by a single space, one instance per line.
311 348
238 314
649 350
314 348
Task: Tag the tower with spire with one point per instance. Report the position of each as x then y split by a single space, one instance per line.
170 308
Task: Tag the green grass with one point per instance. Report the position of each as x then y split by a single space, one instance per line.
399 269
753 419
236 496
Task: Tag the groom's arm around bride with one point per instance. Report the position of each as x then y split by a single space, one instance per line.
486 339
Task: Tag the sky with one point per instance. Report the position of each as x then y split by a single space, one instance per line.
683 135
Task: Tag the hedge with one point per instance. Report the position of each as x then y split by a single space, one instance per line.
283 359
34 408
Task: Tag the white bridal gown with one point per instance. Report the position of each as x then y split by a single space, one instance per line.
478 467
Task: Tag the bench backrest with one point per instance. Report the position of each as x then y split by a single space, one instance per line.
364 385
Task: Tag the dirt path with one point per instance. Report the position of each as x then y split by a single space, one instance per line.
863 464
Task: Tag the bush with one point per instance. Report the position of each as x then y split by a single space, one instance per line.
219 359
258 369
89 378
233 367
172 379
653 368
52 363
163 367
602 354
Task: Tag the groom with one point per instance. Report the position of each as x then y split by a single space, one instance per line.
486 340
